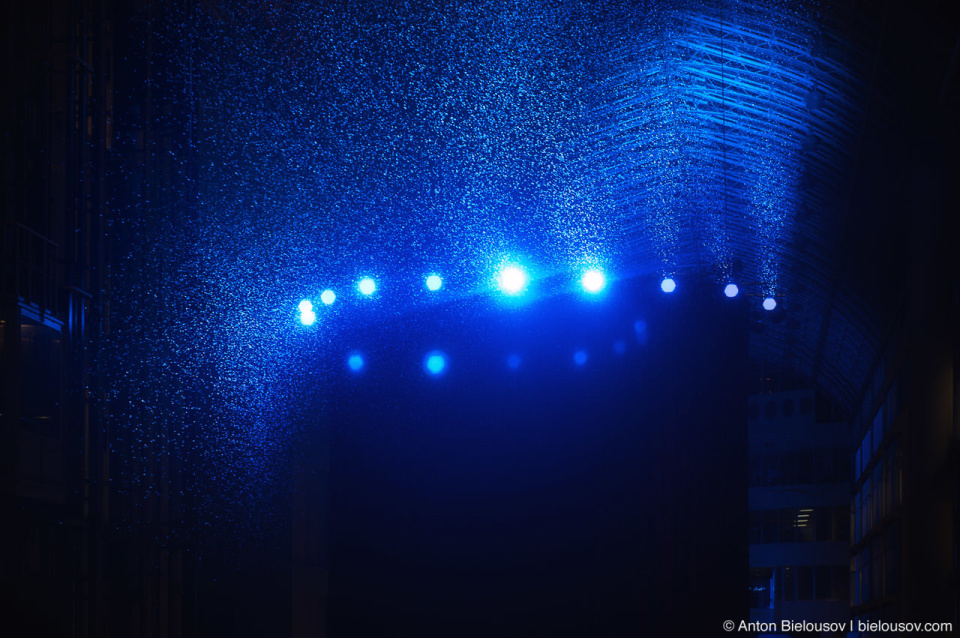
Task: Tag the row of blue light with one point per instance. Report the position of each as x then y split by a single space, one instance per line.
435 363
511 280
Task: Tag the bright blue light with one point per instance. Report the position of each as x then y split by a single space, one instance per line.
593 281
512 280
769 303
328 297
513 361
435 362
356 362
580 357
305 306
307 317
668 285
434 282
731 290
367 286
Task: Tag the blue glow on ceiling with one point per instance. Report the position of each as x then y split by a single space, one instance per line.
336 140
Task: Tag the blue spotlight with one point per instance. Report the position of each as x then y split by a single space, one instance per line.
580 357
355 362
640 327
305 306
328 297
769 303
593 281
367 286
434 282
512 280
668 285
308 317
513 361
435 362
731 290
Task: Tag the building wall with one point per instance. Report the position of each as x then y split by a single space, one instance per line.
800 481
906 500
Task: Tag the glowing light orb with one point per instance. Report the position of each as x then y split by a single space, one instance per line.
769 303
668 285
731 290
580 357
434 282
355 362
367 286
435 362
593 281
305 306
512 280
308 317
328 297
513 361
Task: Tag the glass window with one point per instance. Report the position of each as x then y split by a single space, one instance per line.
842 465
755 522
841 523
822 575
841 582
787 408
770 526
760 594
771 469
824 523
892 562
788 526
806 525
822 461
805 583
788 468
789 584
40 378
805 468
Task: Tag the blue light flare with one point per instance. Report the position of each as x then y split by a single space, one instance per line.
512 280
668 285
367 286
769 303
355 362
328 297
593 281
580 357
731 290
435 363
434 282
